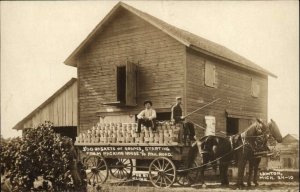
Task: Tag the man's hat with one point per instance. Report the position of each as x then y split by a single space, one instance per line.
178 98
148 101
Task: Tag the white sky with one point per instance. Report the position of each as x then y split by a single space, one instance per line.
36 37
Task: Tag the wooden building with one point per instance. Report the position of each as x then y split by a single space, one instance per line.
289 154
132 56
60 109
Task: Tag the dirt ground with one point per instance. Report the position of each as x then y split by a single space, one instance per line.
146 187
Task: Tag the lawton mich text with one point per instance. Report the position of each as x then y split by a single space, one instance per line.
275 175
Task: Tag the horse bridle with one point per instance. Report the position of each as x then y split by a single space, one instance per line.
263 135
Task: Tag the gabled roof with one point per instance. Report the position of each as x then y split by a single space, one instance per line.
18 126
188 39
290 137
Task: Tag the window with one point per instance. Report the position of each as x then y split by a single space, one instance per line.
126 84
255 88
210 74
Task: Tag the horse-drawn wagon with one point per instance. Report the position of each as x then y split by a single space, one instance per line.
159 153
166 159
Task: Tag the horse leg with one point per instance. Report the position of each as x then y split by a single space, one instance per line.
256 165
205 160
202 176
221 167
251 165
241 168
224 174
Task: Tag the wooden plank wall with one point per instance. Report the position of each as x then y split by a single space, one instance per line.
160 60
233 86
62 110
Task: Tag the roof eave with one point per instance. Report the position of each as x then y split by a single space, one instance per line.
231 61
69 83
181 40
71 60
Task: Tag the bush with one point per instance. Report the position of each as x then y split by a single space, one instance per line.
41 153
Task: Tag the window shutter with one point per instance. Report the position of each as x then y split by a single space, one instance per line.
131 74
255 88
210 75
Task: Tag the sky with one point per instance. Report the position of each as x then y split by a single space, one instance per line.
36 38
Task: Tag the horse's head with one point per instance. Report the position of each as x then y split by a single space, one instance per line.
274 131
205 148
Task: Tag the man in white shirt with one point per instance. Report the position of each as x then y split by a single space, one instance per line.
147 117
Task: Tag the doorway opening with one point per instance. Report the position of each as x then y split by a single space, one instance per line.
121 84
232 126
69 131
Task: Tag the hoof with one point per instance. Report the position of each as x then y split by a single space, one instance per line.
256 184
224 184
249 184
240 185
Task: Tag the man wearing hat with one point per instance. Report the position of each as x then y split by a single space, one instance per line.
176 112
177 118
147 117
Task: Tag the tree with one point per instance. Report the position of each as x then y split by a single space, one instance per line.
41 152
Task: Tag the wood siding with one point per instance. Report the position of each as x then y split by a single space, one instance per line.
160 62
233 86
62 110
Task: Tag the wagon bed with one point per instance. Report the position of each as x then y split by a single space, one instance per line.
102 159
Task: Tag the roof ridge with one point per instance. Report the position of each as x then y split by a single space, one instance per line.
172 27
187 38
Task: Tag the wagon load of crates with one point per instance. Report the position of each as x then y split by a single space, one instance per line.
104 133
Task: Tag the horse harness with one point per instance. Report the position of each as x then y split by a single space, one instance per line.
257 146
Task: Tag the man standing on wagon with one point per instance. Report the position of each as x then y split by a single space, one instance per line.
176 112
177 118
147 117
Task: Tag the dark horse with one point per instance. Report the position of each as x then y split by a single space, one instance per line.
241 147
213 150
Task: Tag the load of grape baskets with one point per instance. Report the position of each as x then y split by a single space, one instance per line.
115 150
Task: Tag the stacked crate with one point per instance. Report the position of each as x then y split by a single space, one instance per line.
165 133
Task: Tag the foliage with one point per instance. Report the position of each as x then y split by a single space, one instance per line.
41 152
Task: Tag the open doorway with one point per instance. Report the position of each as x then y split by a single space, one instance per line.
69 131
232 126
121 84
162 116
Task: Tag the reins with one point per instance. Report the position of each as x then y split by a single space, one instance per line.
255 136
217 159
199 167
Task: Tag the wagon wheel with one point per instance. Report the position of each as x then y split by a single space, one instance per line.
96 170
188 178
162 172
121 169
